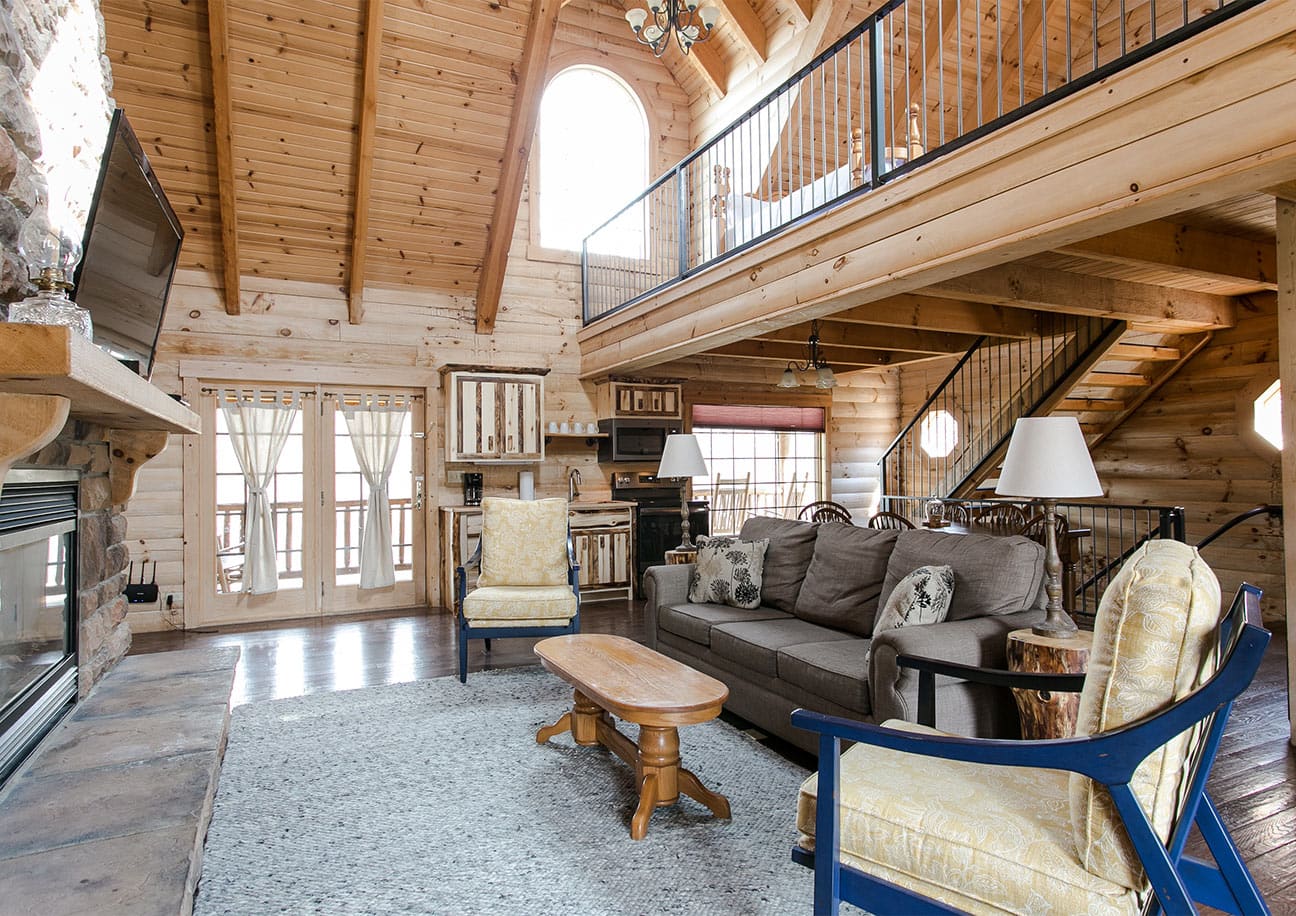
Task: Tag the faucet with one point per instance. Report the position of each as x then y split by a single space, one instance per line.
573 484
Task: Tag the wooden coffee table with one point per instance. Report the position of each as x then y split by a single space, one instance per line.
615 676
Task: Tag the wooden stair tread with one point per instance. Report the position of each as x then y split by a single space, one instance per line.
1102 379
1132 352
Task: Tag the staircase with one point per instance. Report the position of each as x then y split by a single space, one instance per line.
1095 369
1126 377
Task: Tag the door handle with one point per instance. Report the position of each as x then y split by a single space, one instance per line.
418 492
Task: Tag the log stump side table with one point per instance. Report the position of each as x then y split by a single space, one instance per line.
1043 714
679 557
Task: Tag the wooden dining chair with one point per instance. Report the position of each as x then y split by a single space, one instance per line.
825 510
889 521
1001 518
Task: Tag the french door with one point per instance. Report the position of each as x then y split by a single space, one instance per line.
320 501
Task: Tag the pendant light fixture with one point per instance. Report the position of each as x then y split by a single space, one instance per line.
682 18
824 377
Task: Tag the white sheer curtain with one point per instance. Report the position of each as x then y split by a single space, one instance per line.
375 426
258 429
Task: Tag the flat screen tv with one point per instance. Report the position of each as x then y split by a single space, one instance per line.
132 244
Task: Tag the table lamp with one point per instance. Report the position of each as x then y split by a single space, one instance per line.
682 458
1048 460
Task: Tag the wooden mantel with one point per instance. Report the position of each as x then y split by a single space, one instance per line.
49 375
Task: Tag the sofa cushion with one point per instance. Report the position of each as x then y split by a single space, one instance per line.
992 574
836 670
755 644
791 545
694 621
845 577
728 571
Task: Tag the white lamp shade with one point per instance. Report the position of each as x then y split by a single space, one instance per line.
682 457
789 379
1048 459
636 18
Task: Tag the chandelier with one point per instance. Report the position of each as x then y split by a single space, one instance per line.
682 17
824 377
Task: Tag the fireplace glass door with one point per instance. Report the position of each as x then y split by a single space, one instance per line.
34 637
38 570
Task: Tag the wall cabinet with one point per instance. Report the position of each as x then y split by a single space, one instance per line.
638 399
494 417
603 539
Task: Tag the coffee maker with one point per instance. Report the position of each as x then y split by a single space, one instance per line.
472 489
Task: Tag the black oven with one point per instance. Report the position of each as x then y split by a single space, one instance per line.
657 518
635 440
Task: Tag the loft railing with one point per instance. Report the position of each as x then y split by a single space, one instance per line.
912 82
1105 535
953 438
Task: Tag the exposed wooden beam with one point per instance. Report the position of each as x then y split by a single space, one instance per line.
802 11
747 27
1184 249
912 310
541 26
710 66
223 109
364 160
875 338
1285 218
1025 286
779 352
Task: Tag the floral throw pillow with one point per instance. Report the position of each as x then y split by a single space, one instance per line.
728 571
921 597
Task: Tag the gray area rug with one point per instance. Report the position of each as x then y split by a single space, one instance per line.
433 797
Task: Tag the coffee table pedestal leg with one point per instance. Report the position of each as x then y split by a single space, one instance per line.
662 779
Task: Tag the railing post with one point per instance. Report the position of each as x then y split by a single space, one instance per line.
682 219
585 288
876 106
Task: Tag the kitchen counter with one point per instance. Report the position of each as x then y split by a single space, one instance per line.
579 506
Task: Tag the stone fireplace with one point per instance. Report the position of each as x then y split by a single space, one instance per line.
64 566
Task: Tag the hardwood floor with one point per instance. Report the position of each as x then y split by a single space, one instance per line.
1253 783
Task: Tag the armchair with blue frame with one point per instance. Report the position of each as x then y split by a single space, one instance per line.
919 821
529 581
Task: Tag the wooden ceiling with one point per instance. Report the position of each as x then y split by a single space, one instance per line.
379 142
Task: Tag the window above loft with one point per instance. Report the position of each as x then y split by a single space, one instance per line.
593 160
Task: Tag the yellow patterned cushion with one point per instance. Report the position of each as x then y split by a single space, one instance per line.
518 606
524 542
1153 644
984 839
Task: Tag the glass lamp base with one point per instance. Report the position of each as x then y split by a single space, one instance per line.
54 308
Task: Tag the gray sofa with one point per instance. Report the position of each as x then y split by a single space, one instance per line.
810 643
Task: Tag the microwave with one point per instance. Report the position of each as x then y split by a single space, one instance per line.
635 440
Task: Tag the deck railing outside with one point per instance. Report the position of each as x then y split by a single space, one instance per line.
290 534
915 80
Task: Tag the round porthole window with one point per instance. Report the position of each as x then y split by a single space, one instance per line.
938 433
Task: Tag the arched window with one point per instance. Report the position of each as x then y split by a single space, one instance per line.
593 159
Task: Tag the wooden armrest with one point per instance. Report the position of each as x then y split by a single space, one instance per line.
928 668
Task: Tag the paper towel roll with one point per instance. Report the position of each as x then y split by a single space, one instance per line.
526 485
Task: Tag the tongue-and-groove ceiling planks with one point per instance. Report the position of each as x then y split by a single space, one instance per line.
446 80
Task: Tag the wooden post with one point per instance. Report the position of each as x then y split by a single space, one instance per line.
1286 218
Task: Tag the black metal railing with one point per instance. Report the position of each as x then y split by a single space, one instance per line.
915 80
1272 511
1102 536
953 439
